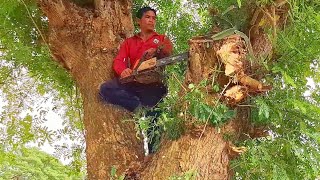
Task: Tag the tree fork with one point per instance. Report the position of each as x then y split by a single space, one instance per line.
202 149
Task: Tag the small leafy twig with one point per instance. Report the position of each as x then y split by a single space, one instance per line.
216 102
174 75
36 26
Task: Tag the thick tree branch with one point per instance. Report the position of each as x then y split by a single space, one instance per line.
206 156
54 10
103 7
64 25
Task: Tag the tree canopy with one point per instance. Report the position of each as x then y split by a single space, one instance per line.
31 163
290 112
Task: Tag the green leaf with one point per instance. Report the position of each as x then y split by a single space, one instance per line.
191 86
113 171
239 3
122 177
263 108
300 106
288 80
223 34
216 88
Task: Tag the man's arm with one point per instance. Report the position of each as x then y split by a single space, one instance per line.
120 62
166 49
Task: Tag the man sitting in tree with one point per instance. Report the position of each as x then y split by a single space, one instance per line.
146 44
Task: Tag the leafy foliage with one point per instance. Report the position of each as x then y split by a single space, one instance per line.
291 109
24 43
29 79
114 176
279 158
189 175
31 163
216 114
28 111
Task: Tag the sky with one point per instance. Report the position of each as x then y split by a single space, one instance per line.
312 86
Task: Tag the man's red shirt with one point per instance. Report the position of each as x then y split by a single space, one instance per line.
134 47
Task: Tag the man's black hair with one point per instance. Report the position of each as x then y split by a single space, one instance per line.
141 11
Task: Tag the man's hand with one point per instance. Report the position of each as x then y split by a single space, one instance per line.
125 73
150 53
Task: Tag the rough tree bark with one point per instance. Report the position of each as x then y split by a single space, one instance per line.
85 42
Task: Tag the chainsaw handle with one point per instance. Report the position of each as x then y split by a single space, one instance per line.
144 56
139 61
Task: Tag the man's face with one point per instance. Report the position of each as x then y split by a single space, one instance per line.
147 21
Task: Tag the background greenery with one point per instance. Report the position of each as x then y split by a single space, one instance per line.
31 163
291 110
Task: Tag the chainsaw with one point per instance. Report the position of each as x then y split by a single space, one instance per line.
147 71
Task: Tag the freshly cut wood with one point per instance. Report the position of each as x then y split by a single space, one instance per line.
236 93
252 83
231 55
147 64
236 151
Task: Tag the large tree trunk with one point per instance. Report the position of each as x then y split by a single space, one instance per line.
85 42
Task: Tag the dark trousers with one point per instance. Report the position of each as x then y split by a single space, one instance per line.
132 95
